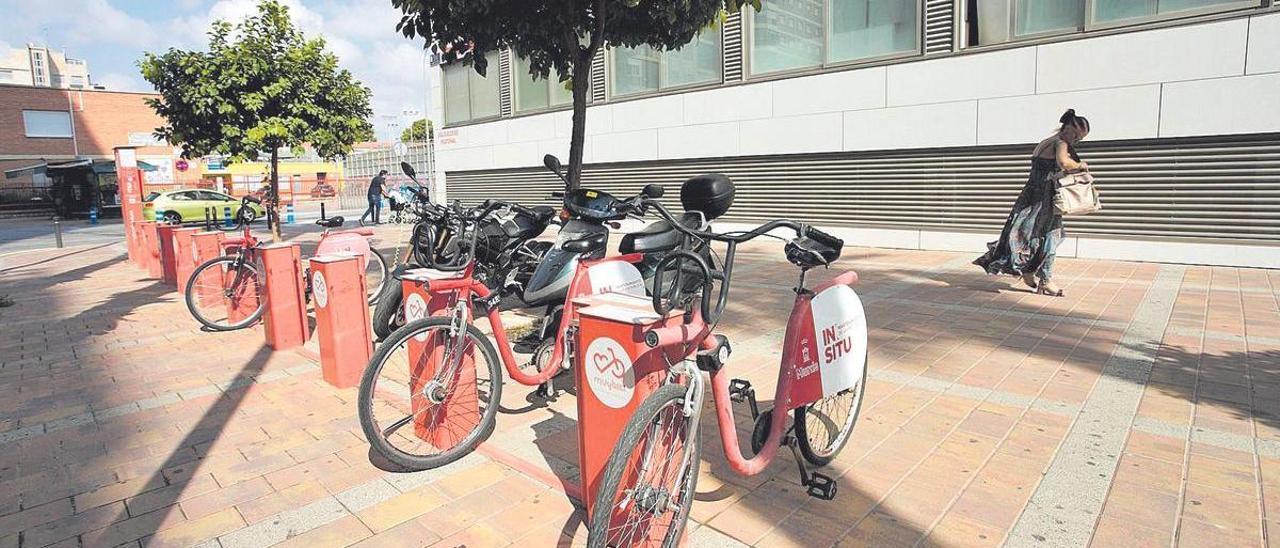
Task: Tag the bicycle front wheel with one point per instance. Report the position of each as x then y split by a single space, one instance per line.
823 427
226 293
430 395
375 274
647 487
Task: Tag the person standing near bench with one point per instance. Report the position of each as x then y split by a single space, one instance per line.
377 189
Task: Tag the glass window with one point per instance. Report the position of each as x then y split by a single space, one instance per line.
47 123
793 34
645 69
1106 11
535 94
1037 16
469 96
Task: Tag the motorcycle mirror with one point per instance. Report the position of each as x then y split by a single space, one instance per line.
653 191
408 170
552 163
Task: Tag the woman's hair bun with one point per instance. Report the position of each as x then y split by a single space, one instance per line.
1068 116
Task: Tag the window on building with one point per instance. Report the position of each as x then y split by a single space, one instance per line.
795 34
47 123
77 81
540 93
999 21
469 96
644 69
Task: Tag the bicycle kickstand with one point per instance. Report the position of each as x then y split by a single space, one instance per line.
818 485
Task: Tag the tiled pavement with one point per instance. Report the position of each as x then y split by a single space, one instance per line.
1141 409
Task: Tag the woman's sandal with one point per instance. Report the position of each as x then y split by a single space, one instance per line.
1044 289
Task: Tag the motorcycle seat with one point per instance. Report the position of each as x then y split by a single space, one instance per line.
543 213
658 236
331 222
588 244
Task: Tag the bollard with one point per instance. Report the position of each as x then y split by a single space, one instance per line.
226 220
342 317
288 214
286 314
207 226
183 256
93 215
57 231
322 217
615 371
440 425
206 246
168 261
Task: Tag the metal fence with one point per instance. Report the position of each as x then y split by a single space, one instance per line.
360 167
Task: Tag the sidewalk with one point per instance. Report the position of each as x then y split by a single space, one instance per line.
1141 409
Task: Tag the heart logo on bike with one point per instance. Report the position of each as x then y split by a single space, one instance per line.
610 375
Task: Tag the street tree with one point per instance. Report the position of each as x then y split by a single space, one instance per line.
420 130
558 35
261 86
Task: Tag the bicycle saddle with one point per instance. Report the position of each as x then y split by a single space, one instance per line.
808 253
659 236
587 244
331 222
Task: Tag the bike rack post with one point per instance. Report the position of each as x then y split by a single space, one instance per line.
286 312
322 215
183 256
208 226
206 246
150 251
614 371
443 425
342 317
168 261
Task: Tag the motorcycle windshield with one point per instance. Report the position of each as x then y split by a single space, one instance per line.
550 281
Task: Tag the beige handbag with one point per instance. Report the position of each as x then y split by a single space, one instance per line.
1076 194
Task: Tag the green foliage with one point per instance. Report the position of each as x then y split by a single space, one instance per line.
261 86
557 35
419 130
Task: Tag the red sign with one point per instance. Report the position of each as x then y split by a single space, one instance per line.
181 165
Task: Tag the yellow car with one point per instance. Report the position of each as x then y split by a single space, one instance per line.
176 206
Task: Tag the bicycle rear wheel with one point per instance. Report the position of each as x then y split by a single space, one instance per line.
226 293
823 427
639 501
375 274
429 397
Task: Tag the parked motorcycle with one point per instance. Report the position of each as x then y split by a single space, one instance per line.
506 251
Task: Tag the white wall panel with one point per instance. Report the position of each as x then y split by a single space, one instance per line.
745 102
1264 44
599 120
1118 113
920 126
654 112
625 146
793 134
531 128
515 155
464 159
1163 55
700 141
994 74
1247 104
849 90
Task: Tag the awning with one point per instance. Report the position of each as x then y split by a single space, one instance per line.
99 166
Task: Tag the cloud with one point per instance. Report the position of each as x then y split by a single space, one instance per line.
83 23
116 81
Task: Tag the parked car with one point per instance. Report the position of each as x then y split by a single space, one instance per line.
323 190
176 206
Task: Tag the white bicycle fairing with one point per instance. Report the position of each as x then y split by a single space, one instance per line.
840 327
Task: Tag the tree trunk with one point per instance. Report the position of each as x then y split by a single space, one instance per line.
273 216
581 83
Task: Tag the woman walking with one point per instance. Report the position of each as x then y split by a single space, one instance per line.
1034 228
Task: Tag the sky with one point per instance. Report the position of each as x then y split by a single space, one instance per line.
111 35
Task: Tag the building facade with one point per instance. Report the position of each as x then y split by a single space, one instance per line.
909 123
38 66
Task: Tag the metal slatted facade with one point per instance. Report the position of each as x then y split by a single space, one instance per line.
505 91
939 26
597 76
1220 188
732 47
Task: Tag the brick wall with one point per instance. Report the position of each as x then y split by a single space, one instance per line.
103 120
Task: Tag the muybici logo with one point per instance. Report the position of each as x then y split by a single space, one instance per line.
609 372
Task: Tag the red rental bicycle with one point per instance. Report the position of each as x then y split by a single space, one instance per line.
227 293
432 389
647 486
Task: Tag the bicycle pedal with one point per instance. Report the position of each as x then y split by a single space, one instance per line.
821 486
740 390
